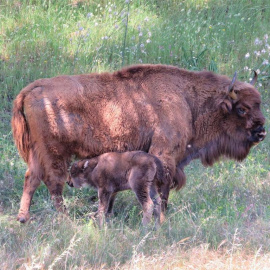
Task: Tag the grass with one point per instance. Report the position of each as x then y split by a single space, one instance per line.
220 220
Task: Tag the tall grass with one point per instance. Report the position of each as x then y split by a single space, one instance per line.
220 220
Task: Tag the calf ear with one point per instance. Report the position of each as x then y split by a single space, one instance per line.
85 165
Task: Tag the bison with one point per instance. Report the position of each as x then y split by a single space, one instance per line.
113 172
174 114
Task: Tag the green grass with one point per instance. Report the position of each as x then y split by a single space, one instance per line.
223 213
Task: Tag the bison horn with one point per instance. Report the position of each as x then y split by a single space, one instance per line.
85 164
231 91
254 79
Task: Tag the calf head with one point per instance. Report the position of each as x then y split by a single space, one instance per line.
80 173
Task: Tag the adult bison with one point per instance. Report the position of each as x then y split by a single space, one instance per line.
174 114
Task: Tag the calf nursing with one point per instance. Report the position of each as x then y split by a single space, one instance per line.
114 172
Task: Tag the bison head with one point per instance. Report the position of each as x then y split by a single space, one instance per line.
243 121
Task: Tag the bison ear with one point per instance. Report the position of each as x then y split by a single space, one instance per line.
226 106
232 93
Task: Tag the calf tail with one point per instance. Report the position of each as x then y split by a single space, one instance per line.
160 174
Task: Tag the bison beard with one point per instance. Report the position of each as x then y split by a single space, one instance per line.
174 114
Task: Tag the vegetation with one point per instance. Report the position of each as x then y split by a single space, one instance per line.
221 218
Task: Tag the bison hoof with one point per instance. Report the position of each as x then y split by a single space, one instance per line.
23 218
162 217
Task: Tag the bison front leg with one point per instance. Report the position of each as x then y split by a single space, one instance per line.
31 183
55 179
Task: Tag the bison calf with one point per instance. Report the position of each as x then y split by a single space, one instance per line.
113 172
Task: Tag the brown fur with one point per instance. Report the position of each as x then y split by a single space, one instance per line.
114 172
174 114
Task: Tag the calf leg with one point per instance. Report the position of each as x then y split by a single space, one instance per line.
169 170
110 207
147 205
104 197
157 204
140 183
164 191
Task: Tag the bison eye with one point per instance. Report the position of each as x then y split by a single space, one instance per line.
241 111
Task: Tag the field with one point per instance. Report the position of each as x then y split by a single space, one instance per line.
221 218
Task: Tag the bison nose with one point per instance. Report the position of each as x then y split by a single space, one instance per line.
259 133
262 135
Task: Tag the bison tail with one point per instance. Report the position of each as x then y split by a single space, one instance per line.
19 125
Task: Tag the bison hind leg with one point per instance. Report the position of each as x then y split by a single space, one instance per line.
55 179
32 180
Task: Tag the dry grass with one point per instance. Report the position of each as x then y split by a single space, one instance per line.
200 258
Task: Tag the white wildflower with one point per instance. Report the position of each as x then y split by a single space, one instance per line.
140 34
265 62
258 71
148 40
257 42
246 68
247 55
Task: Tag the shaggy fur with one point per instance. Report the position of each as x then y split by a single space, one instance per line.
114 172
174 114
